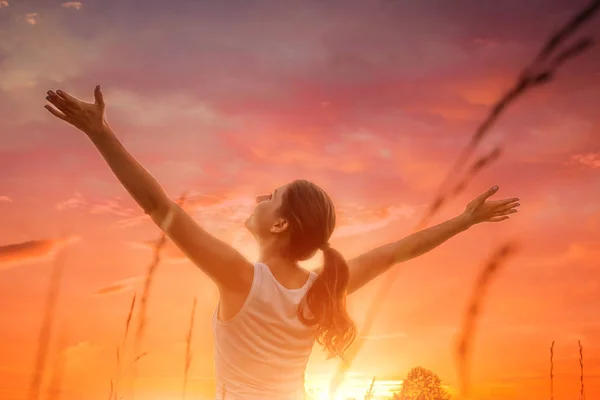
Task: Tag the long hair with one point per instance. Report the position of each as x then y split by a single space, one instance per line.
311 217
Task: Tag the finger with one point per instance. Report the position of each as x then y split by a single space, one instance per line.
498 219
487 194
505 212
504 201
70 100
55 112
56 100
98 96
506 207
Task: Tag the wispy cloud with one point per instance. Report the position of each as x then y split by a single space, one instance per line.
131 221
145 111
204 205
4 3
589 160
30 62
33 250
110 206
214 211
5 199
121 286
76 5
357 220
32 18
77 201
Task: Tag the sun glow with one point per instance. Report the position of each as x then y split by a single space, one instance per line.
352 389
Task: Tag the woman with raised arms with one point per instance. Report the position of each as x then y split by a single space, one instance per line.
272 311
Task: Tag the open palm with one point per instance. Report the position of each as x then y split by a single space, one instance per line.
481 209
87 117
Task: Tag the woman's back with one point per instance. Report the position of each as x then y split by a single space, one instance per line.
262 352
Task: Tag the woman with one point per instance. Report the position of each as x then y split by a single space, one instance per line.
270 312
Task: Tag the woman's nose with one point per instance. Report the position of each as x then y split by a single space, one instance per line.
261 198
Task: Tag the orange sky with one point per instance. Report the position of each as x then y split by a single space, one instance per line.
374 102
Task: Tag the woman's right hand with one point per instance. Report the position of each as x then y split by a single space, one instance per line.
87 117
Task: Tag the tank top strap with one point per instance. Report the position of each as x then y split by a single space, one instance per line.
257 279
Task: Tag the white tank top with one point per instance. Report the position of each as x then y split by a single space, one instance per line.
261 353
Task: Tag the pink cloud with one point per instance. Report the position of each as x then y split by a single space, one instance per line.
132 221
217 212
206 206
110 206
144 111
307 132
77 201
4 3
32 18
33 250
359 220
76 5
5 199
589 160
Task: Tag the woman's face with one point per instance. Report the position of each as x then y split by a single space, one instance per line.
265 212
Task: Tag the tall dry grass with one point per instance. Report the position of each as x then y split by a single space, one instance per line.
370 391
540 71
121 353
473 311
143 311
552 371
128 320
582 392
188 350
46 328
582 387
54 391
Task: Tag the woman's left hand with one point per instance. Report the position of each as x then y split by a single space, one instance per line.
482 210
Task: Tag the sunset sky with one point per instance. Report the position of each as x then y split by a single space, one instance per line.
372 100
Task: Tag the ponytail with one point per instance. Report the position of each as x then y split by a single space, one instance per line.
326 301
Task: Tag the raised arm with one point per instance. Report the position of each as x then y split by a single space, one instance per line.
222 263
371 264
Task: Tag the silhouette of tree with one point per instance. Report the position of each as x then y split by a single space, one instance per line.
422 384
